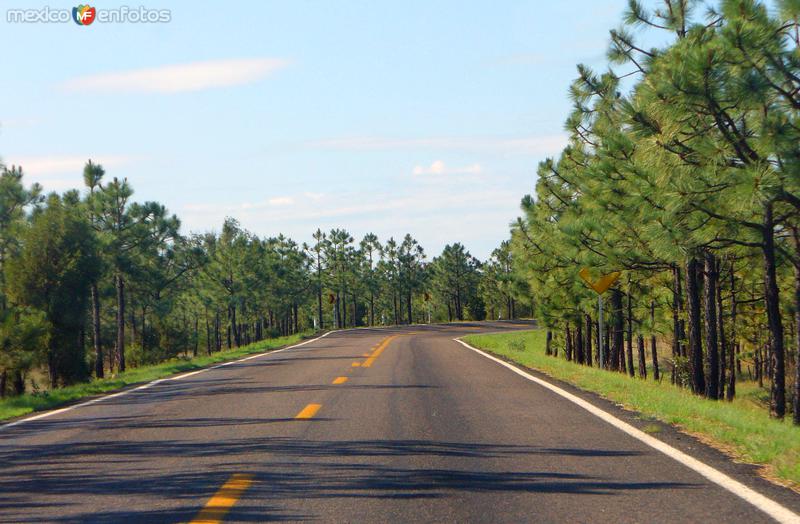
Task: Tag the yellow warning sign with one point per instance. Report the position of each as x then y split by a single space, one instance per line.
602 284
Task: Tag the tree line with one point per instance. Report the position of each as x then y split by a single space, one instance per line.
93 282
682 171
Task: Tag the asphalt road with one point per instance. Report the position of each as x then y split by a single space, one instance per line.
396 425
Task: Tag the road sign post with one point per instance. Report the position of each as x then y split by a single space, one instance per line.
600 287
601 347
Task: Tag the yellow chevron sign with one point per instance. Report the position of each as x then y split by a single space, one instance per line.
602 284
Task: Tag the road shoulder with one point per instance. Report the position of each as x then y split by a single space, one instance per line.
748 474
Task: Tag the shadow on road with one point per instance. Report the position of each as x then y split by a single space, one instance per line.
298 469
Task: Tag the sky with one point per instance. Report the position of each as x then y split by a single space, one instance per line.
417 117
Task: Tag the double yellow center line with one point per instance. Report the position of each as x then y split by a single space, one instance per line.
378 350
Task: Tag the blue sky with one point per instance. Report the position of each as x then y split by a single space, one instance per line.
393 117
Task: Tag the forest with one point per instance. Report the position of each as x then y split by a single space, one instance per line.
682 172
94 282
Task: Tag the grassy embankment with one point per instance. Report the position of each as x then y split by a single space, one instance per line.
742 428
23 404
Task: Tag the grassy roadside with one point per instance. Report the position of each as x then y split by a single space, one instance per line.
24 404
742 427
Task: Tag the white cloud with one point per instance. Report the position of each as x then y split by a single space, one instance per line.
535 145
438 167
353 205
194 76
477 215
281 201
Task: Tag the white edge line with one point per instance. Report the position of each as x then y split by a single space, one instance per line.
770 507
153 383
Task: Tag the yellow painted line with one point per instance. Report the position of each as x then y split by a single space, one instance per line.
308 412
356 364
375 354
340 380
365 355
224 499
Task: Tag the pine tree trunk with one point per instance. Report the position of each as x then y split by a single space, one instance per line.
134 327
642 359
237 340
338 313
343 308
677 307
796 399
579 341
99 369
371 308
409 309
757 366
228 331
710 322
120 323
630 334
617 349
653 348
19 382
217 334
144 327
548 343
51 364
796 396
588 350
319 296
772 300
695 340
723 343
568 342
208 334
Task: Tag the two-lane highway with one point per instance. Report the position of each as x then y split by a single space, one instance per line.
383 425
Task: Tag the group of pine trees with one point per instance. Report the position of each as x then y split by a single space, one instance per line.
683 172
93 282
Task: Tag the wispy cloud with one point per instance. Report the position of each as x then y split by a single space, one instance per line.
438 167
193 76
281 201
546 144
353 205
18 123
464 213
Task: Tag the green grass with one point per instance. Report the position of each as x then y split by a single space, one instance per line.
742 427
24 404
